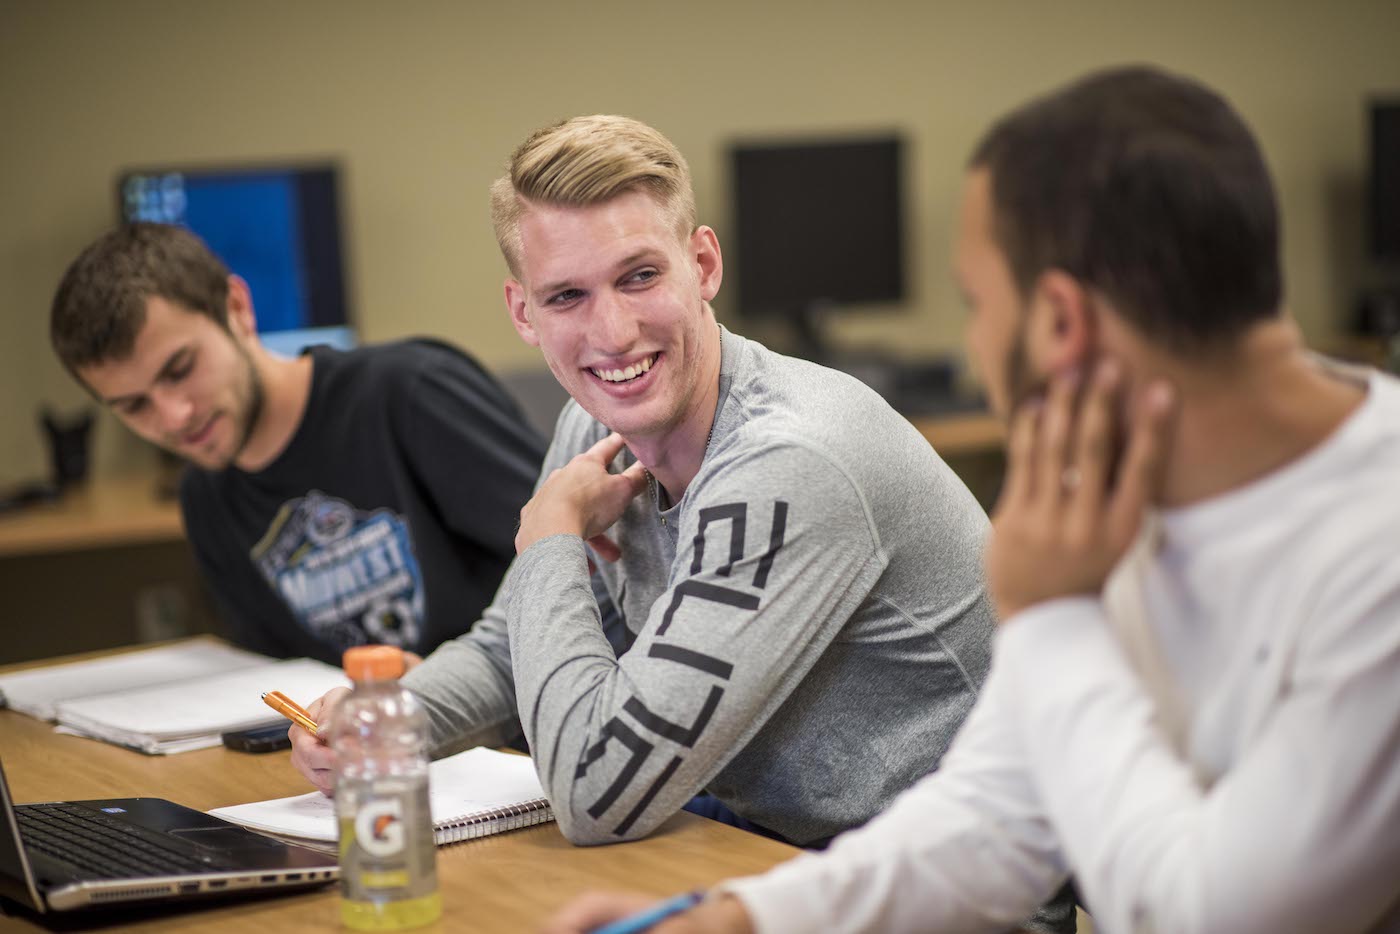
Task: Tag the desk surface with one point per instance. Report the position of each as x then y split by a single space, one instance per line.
101 513
510 882
964 433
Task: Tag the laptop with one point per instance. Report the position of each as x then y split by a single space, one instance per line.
70 855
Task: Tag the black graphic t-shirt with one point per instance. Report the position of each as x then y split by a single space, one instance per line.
390 517
346 574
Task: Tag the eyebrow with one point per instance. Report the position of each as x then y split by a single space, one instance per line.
625 262
171 363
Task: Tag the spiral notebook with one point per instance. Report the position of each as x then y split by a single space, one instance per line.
473 794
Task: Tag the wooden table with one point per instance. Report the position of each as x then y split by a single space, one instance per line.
102 513
510 882
966 433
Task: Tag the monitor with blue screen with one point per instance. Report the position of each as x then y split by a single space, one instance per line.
278 227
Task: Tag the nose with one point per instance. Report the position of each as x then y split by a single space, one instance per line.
173 410
615 328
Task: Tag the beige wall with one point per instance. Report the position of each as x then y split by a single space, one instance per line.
422 101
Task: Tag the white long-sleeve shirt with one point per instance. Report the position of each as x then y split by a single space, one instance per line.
1230 762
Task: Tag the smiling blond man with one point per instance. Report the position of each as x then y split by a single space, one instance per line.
797 570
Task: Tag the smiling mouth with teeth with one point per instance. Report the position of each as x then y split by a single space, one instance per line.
622 376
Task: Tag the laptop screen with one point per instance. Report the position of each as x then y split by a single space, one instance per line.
16 881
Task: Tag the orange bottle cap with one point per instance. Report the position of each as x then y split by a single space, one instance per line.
373 662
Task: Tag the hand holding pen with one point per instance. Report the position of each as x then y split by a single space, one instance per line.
311 756
648 918
291 710
627 913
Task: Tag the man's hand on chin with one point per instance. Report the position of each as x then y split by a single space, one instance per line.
582 498
1076 489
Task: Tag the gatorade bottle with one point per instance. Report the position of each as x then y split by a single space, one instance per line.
388 872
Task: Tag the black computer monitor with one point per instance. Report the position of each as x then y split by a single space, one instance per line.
819 224
1385 179
277 226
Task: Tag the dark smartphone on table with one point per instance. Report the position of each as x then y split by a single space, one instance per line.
259 739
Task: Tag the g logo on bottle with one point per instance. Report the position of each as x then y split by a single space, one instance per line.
379 827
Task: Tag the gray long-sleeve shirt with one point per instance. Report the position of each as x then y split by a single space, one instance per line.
804 630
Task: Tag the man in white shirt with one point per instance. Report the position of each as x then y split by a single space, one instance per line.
1194 703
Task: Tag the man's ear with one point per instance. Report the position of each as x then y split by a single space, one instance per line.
709 261
519 316
1063 325
242 322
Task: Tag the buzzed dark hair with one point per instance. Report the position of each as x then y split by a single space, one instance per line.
1148 187
100 305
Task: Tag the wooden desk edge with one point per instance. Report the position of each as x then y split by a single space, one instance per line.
967 433
106 512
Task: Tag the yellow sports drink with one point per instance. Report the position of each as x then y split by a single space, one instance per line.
388 869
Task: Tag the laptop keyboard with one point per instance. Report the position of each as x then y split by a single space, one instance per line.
103 847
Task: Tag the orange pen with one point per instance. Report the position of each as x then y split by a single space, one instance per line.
290 709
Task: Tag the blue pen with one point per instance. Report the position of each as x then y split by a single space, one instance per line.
643 920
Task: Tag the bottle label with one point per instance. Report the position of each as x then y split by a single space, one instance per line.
387 852
379 827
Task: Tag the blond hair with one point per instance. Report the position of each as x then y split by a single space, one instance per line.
586 161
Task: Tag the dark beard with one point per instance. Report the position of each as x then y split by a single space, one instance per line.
254 407
1020 386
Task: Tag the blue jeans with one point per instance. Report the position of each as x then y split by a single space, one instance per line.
709 806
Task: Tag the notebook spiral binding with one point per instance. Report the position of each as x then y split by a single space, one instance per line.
494 821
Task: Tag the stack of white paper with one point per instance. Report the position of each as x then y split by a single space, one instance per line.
192 713
38 690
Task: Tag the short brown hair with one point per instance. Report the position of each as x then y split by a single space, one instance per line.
100 305
1148 186
586 161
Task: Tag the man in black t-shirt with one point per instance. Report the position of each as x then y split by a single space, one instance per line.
333 499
